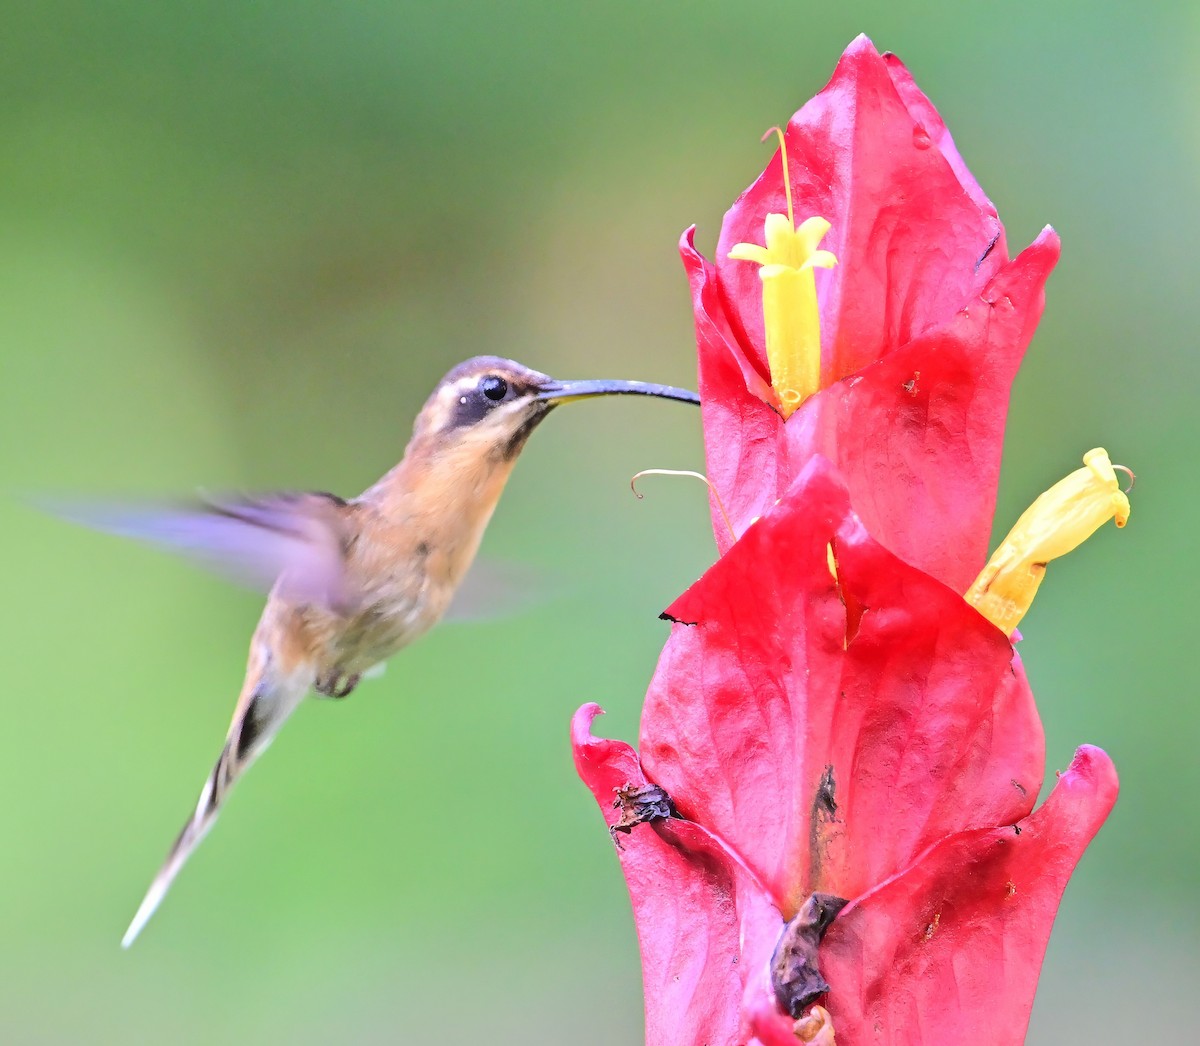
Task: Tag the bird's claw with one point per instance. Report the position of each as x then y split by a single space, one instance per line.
335 684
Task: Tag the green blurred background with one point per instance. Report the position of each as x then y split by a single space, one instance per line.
241 241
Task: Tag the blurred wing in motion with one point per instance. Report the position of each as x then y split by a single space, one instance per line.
298 540
493 590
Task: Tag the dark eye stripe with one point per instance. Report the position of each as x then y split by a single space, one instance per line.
477 399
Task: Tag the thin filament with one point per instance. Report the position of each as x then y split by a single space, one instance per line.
787 178
694 475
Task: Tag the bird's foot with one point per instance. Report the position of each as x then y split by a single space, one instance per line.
335 684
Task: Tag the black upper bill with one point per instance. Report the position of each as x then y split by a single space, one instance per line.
565 391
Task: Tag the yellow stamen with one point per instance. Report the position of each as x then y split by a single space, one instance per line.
791 318
1061 519
787 182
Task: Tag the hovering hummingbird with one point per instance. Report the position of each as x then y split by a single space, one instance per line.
352 582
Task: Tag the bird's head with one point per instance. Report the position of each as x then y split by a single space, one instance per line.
488 406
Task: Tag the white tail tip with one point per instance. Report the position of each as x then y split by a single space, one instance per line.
147 908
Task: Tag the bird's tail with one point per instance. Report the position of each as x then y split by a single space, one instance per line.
260 715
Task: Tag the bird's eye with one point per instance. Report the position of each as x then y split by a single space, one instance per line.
494 387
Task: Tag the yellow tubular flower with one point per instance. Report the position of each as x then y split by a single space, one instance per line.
1065 516
791 319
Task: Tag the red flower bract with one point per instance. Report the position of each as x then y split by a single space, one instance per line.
796 727
924 322
829 715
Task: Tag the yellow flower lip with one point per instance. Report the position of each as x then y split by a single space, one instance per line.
1060 520
791 318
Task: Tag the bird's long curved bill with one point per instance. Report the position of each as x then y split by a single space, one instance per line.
567 391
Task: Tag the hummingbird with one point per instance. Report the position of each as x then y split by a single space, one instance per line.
351 582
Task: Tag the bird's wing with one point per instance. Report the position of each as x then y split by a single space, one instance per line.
493 590
295 540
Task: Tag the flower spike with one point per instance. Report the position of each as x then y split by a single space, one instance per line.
1061 519
830 717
